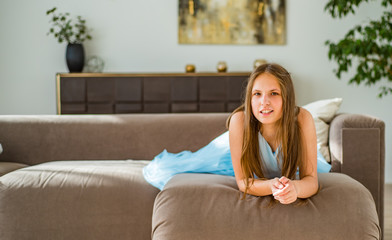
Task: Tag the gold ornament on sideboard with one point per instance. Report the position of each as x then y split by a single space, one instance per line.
222 66
190 68
259 62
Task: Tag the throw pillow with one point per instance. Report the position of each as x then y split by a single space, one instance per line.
323 112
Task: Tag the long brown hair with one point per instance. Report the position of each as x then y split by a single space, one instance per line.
287 134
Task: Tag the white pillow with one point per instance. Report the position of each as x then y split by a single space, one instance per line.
323 112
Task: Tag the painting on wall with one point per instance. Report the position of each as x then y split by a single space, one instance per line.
232 22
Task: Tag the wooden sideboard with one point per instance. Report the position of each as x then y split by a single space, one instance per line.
109 93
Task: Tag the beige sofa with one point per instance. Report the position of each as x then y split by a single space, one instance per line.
80 177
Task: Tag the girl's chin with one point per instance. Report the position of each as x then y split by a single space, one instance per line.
267 120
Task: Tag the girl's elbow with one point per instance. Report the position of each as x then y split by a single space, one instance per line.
242 186
310 189
315 188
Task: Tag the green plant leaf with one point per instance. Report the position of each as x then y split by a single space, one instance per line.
51 11
62 23
368 44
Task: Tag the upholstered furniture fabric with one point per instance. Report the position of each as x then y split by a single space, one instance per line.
77 200
197 206
6 167
357 145
38 139
61 179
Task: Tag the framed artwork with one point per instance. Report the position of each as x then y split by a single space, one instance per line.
232 22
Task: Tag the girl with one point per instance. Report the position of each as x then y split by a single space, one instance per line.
271 138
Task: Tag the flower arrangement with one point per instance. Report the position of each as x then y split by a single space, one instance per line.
65 31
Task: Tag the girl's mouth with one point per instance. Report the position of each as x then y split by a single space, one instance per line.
266 112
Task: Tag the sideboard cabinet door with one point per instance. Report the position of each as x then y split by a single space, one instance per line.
103 93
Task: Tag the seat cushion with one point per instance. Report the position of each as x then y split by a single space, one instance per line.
206 206
6 167
77 200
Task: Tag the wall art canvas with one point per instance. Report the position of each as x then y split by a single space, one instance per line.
232 22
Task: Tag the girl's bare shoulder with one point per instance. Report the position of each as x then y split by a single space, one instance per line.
305 120
237 120
238 117
304 115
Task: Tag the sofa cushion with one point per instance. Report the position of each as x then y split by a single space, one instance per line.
6 167
323 112
206 206
77 200
104 137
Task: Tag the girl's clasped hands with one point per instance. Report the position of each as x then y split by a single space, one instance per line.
284 190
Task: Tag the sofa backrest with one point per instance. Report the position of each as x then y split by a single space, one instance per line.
43 138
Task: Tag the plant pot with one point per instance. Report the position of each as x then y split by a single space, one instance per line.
75 57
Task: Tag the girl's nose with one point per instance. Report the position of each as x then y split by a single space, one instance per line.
265 100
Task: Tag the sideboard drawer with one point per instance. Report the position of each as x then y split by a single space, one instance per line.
105 93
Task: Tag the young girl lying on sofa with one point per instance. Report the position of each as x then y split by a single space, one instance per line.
271 137
270 148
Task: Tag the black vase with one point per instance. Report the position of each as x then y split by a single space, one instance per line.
75 57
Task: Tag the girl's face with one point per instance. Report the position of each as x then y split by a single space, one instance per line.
267 102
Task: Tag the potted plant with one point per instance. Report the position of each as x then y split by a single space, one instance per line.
64 30
367 46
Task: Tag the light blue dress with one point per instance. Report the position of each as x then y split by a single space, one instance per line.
272 165
214 158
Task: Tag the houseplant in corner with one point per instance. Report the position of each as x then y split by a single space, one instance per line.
368 46
75 34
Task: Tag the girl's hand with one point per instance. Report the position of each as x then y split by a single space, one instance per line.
276 185
287 194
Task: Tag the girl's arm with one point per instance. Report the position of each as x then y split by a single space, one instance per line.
259 187
307 186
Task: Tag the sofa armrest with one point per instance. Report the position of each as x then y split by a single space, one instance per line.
6 167
357 145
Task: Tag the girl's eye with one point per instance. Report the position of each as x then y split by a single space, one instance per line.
274 94
256 94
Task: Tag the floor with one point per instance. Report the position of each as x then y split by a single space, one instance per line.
388 212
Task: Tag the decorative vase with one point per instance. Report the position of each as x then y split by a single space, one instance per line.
75 57
94 64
